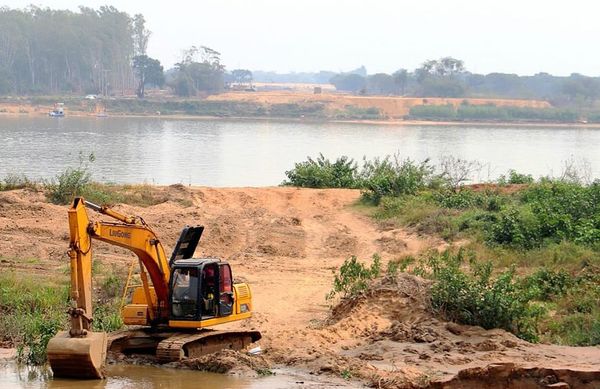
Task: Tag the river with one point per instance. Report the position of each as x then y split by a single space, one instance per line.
14 376
257 153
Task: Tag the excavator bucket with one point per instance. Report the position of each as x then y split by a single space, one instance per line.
77 357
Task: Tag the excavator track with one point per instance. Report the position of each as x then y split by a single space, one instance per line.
171 346
194 345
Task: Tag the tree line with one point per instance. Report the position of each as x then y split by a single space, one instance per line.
448 77
103 51
96 51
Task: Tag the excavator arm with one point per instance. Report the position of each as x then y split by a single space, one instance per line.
80 352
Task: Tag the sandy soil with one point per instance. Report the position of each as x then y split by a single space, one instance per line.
285 242
392 107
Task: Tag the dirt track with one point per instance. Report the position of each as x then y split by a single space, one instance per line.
285 242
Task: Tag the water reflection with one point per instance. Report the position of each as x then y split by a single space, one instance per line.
118 377
257 153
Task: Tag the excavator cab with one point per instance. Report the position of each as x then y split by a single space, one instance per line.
201 289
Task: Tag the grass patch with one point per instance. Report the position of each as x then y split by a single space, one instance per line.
143 195
77 181
33 308
17 181
32 311
492 113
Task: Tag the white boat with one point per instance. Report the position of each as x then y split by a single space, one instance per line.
58 111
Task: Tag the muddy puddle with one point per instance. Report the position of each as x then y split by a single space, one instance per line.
13 375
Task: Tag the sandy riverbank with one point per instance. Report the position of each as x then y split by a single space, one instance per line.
285 242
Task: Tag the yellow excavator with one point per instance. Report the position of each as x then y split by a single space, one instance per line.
177 300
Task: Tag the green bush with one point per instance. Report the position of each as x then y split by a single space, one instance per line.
390 176
322 173
71 182
38 330
353 277
107 317
393 177
577 329
475 297
470 291
516 227
433 112
515 178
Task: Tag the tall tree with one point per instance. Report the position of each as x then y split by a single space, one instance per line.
200 70
141 35
441 78
242 76
55 51
148 71
400 79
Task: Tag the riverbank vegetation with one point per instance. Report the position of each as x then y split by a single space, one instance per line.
78 181
524 254
467 112
33 306
198 107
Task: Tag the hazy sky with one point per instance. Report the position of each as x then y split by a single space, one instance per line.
512 36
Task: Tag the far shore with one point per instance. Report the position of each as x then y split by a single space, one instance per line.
389 122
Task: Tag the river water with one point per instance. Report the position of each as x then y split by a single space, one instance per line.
257 153
14 376
118 376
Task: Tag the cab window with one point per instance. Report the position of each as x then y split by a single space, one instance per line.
184 302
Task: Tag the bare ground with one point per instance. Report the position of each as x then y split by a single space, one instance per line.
285 242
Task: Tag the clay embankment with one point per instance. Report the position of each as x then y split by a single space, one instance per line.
285 242
389 106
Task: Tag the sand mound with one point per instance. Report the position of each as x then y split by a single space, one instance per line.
230 362
389 337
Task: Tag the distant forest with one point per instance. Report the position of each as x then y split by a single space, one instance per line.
447 77
103 51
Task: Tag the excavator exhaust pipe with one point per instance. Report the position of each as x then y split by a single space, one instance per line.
77 357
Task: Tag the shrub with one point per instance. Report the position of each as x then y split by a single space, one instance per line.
477 298
16 181
107 317
517 227
577 330
71 182
433 112
322 173
393 177
353 277
515 178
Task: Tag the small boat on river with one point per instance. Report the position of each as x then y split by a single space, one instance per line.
58 111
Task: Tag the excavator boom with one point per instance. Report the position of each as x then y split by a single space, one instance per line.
80 352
